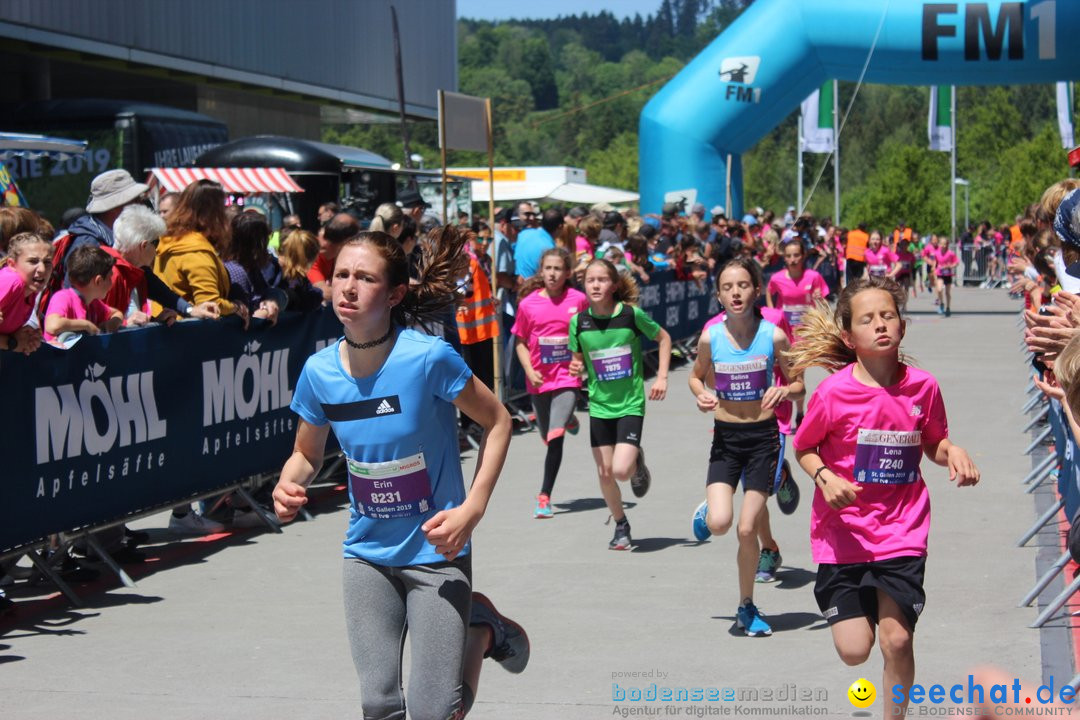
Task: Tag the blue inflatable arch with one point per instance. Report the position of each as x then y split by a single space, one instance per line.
778 51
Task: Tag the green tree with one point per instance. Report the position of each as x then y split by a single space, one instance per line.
617 164
908 183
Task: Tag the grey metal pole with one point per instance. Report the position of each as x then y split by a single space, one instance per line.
836 150
799 165
952 179
967 222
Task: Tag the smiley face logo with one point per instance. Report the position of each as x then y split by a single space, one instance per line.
862 693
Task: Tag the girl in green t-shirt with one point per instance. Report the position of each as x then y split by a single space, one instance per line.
605 340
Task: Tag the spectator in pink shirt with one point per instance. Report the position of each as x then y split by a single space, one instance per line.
80 308
25 273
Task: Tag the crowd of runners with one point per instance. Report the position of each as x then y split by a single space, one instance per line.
794 294
860 441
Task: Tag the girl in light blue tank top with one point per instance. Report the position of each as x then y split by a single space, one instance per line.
740 353
743 375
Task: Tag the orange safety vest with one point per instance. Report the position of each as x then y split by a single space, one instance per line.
476 316
896 237
856 245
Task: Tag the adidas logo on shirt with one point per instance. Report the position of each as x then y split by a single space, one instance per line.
376 407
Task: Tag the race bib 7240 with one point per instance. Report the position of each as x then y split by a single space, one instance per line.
888 457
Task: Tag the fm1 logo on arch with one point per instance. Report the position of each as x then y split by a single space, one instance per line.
939 20
740 73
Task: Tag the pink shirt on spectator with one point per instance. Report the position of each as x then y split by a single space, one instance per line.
873 437
879 263
70 304
544 325
795 298
946 262
777 318
582 246
17 308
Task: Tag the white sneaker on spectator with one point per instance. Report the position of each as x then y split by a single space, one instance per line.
250 518
194 524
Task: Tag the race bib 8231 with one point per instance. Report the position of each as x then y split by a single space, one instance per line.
393 489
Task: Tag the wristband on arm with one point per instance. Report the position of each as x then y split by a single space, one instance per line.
817 474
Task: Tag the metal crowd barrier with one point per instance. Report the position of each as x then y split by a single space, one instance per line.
1064 461
976 262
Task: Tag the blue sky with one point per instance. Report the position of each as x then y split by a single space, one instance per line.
502 10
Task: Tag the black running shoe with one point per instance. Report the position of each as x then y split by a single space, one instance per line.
642 478
621 540
787 495
509 643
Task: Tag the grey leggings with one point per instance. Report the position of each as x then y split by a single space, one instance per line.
553 410
430 603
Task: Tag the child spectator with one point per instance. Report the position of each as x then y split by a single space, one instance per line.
253 272
24 275
79 308
296 255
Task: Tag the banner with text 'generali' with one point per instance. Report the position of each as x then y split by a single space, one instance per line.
135 420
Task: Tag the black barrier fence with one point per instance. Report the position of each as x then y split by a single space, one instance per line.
125 423
680 306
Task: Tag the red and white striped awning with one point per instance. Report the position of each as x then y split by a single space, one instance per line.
233 180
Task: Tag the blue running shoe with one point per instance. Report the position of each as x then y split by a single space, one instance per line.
748 618
543 507
701 528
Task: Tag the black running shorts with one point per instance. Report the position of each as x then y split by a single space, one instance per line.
745 450
611 431
850 590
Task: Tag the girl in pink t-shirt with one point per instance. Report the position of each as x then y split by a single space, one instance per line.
945 264
929 256
80 308
25 273
795 290
542 329
881 261
867 427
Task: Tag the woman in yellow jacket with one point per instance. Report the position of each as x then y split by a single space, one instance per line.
188 256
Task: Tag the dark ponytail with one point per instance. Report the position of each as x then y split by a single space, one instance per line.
443 262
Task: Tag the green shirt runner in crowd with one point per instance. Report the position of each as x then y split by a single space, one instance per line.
611 347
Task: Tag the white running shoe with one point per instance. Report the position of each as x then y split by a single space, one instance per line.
194 524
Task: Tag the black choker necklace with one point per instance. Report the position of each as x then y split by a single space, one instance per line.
371 344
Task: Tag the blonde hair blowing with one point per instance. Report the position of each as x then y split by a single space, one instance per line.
387 215
820 336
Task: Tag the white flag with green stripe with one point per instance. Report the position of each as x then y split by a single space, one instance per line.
940 120
1065 114
817 116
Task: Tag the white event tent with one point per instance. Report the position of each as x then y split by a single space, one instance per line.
556 183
